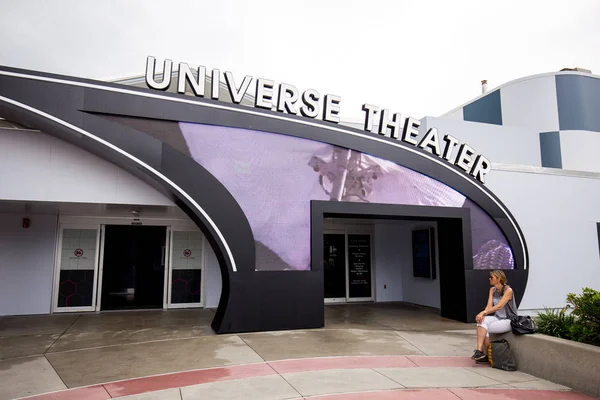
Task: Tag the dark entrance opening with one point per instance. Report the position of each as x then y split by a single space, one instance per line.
134 267
334 265
347 269
454 252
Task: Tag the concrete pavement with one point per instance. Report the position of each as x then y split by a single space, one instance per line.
372 350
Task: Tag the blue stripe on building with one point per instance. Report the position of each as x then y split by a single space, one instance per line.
487 109
578 100
550 149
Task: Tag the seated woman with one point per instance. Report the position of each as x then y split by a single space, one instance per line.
496 316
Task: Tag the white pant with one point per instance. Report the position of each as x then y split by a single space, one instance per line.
494 325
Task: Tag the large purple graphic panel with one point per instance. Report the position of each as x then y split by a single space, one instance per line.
273 177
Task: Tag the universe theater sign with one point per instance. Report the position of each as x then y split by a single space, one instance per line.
286 98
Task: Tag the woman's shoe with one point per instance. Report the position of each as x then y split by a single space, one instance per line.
479 356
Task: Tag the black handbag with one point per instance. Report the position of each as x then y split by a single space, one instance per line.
522 324
500 355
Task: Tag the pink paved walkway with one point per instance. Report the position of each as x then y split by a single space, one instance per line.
274 368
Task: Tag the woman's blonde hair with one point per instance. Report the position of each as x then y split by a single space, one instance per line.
501 276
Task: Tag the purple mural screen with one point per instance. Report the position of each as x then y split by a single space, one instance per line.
273 177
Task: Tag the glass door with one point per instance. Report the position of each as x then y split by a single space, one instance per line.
334 267
360 282
186 269
76 274
132 267
347 267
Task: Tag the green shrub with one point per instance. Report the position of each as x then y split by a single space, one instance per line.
587 309
585 333
586 306
582 324
555 323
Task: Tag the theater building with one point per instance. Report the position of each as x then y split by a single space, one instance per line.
198 188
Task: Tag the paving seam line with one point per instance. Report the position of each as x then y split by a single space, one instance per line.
391 379
507 383
135 343
292 386
252 348
411 343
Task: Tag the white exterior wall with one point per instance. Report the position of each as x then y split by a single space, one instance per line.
456 114
500 144
558 216
393 252
26 263
557 213
38 167
579 150
531 104
389 262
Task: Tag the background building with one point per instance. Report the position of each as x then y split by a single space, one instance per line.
542 134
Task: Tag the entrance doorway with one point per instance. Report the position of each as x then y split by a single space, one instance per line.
347 267
397 274
133 274
114 266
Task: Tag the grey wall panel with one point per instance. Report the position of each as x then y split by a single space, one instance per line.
578 102
487 109
550 149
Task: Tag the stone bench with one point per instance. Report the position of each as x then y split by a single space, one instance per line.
562 361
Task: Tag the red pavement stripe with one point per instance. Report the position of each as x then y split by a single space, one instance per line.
518 394
188 378
169 381
400 394
316 364
427 361
87 393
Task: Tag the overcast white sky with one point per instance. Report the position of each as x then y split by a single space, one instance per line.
415 57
